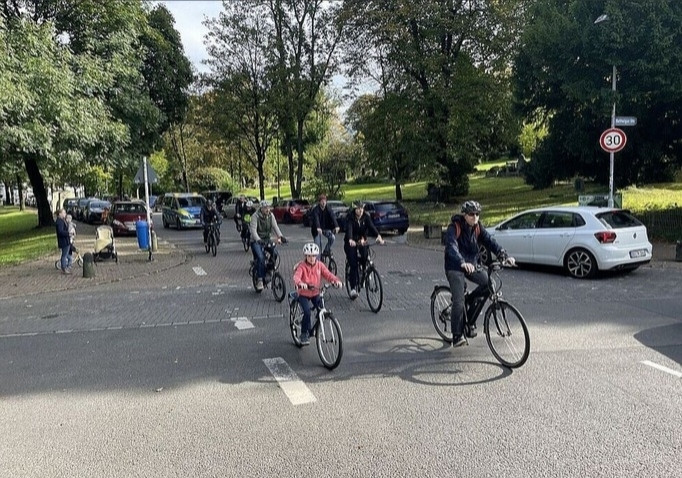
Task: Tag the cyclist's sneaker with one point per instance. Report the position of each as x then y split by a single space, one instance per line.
458 342
259 285
305 338
353 294
470 331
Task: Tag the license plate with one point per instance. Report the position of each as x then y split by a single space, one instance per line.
197 222
638 253
392 216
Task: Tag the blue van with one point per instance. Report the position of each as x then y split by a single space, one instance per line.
182 210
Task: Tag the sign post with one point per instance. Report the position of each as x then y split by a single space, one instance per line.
612 140
146 174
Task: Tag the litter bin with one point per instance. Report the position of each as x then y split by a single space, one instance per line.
142 229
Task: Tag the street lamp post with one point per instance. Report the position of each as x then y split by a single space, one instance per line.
600 19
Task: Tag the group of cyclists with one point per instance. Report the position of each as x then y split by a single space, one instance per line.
462 257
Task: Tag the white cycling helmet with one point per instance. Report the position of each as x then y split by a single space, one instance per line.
264 203
249 203
311 249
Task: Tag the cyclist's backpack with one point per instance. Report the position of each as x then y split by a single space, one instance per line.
458 230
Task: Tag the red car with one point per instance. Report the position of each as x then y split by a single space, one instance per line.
123 215
290 210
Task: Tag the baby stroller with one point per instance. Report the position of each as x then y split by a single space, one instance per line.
105 247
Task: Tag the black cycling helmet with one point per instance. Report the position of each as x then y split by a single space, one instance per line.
470 207
357 204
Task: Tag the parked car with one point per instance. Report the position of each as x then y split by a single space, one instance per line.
96 210
582 239
388 215
228 207
290 210
79 210
339 208
182 210
124 214
70 205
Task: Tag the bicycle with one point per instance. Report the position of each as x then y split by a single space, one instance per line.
327 258
78 259
369 279
212 238
326 330
245 233
272 275
504 327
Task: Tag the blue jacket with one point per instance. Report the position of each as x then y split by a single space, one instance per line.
63 238
465 248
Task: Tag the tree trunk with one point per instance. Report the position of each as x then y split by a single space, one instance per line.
299 151
398 191
20 190
45 217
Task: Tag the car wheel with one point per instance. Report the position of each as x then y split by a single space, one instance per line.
288 219
178 225
486 257
402 230
580 264
165 223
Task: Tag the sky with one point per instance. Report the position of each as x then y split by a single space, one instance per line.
189 15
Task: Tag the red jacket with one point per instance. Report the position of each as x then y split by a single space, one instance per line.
304 273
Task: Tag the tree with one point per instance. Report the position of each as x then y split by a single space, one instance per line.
306 34
455 56
563 77
241 100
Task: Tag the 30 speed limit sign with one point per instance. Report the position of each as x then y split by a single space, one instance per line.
613 140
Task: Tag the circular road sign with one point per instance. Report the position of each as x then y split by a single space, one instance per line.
613 140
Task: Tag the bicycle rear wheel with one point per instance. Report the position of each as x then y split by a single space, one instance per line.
295 321
246 244
374 289
212 244
441 306
329 340
279 288
207 245
507 334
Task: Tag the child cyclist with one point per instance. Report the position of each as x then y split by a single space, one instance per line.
308 275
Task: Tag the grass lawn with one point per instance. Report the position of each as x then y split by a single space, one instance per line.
21 239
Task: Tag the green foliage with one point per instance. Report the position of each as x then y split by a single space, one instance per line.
563 74
212 179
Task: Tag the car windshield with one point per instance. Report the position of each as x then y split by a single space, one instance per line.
98 205
619 219
193 201
387 206
301 202
131 208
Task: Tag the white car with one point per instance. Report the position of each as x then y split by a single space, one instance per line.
581 239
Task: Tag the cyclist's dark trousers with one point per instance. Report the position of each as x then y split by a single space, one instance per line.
258 251
206 234
457 284
352 258
305 305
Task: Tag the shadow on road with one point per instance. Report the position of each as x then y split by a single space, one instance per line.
664 340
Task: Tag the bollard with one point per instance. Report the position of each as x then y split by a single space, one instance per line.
88 265
678 251
155 242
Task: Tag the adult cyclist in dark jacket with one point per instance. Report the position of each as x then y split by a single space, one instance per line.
323 223
209 215
462 260
358 227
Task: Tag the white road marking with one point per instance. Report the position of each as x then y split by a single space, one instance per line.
242 323
199 271
663 369
293 388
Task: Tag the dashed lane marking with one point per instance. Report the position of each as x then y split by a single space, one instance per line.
296 391
198 270
662 368
242 323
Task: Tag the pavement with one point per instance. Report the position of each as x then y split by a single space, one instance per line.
39 276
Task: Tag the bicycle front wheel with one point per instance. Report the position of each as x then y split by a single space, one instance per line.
374 290
279 288
329 340
295 321
213 244
246 244
207 246
507 334
347 278
441 307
